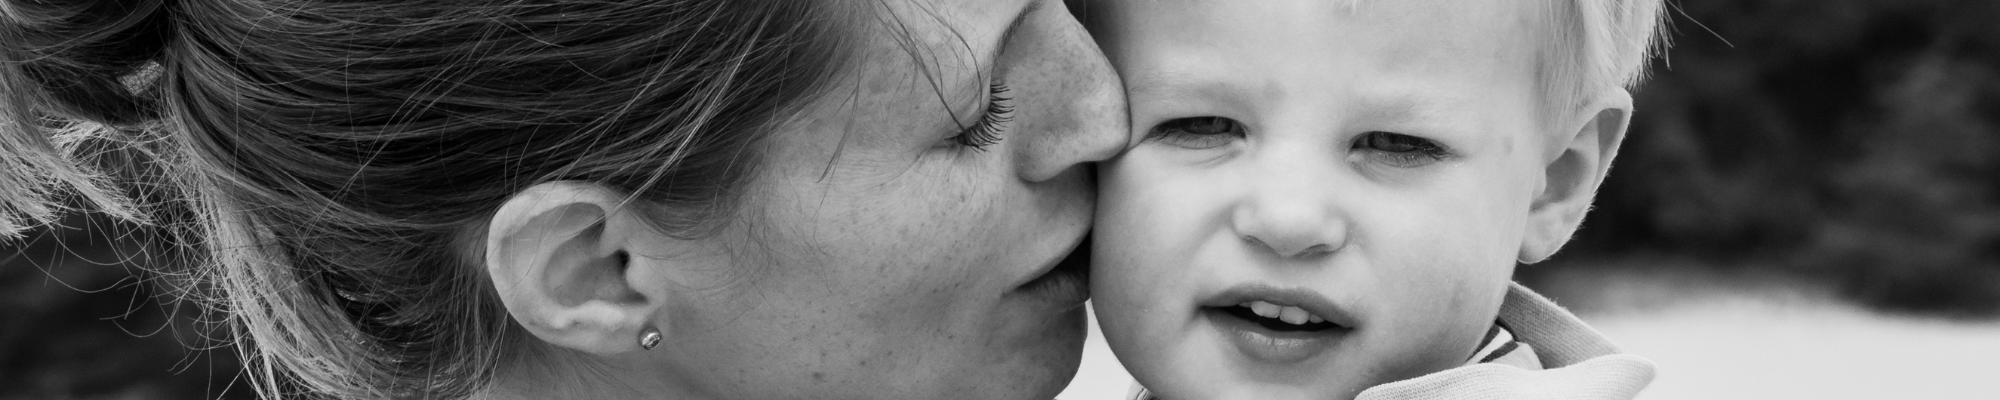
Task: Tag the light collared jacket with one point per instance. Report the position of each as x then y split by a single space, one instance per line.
1537 350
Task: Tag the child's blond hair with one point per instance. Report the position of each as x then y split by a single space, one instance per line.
1595 45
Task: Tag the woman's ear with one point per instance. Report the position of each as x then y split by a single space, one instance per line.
558 254
1573 173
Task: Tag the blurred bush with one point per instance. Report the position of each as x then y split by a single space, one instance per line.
1853 143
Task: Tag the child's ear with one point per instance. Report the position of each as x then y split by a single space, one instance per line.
1574 168
560 256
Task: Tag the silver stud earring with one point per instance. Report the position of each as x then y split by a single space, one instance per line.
649 338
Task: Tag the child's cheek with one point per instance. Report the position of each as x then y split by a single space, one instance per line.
1135 202
1127 278
1165 199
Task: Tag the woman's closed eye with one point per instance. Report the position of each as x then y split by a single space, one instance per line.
1400 150
992 123
1197 132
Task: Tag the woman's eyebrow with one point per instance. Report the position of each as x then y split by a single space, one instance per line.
1008 34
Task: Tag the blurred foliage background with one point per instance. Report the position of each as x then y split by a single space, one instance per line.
1850 145
83 315
1847 143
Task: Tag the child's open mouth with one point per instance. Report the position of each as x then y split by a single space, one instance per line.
1278 325
1279 318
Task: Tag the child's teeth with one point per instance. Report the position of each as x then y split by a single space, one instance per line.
1266 310
1289 314
1294 315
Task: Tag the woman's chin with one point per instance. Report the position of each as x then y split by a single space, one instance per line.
1043 360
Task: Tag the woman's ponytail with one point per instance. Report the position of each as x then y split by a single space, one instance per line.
330 164
85 59
74 76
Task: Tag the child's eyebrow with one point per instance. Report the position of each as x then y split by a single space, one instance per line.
1420 107
1413 106
1401 108
1159 84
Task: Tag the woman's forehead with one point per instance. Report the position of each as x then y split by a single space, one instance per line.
934 37
918 61
915 66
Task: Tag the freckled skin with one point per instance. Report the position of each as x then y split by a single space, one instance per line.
1421 255
884 272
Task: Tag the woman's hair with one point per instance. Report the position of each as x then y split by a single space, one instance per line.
334 162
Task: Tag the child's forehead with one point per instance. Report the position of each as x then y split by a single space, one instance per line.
1400 29
1407 59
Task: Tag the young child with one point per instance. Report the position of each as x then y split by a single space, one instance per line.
1324 198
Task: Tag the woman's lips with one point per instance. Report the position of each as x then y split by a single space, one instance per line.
1277 325
1067 283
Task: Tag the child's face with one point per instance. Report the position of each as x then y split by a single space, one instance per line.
1371 165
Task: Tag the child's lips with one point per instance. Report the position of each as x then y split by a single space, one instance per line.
1266 345
1244 315
1305 299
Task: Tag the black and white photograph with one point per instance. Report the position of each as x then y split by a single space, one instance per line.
999 199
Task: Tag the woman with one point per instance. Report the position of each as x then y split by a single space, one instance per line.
542 199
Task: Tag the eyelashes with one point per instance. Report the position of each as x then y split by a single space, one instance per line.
992 123
1390 148
1200 126
1197 132
1401 150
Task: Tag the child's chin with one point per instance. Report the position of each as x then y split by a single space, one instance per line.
1247 390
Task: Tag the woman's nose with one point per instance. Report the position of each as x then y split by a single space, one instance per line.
1073 110
1289 215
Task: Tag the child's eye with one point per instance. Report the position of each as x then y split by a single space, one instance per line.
1197 132
1401 150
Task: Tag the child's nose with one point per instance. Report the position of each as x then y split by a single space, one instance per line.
1290 218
